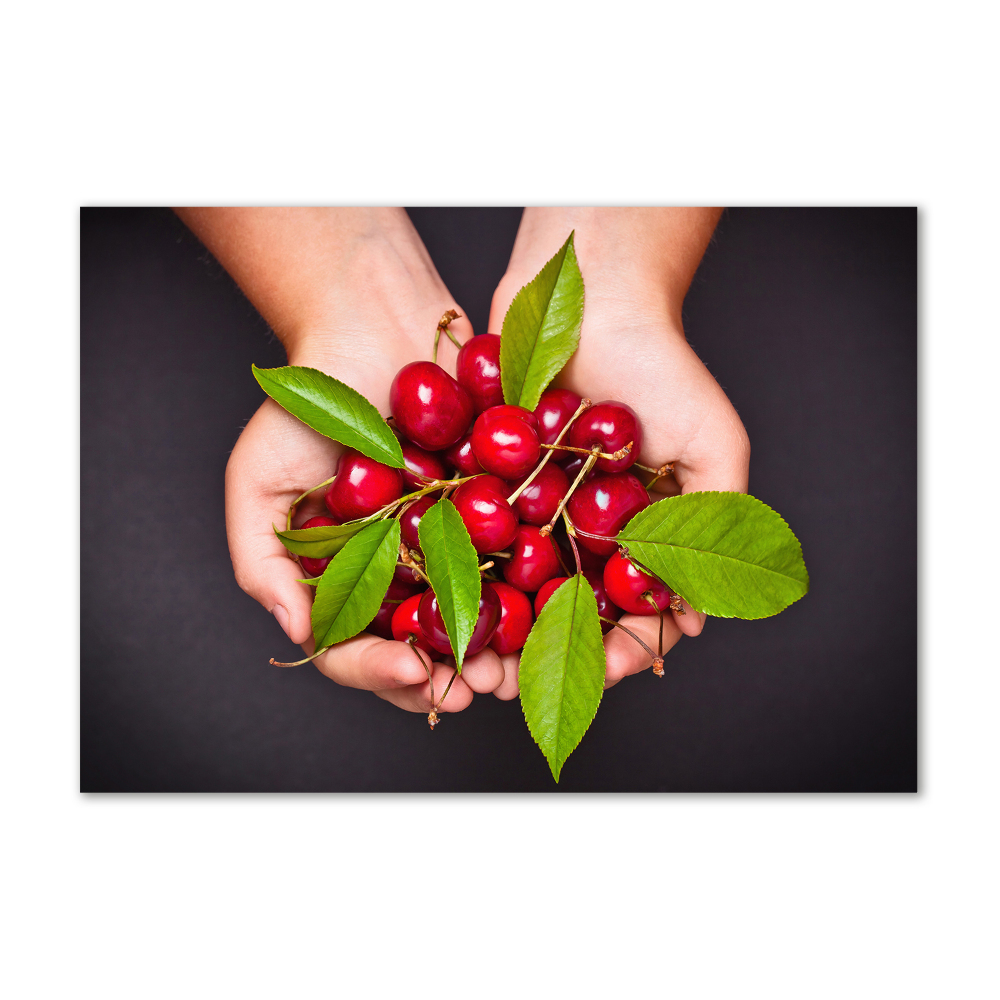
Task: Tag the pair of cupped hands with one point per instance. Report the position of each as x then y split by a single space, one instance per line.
354 293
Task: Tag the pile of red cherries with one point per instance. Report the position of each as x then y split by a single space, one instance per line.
450 429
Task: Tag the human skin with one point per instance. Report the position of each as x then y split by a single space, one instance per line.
353 292
637 265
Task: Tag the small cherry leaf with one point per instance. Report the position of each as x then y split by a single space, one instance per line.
335 410
352 587
562 671
318 543
452 566
727 554
541 329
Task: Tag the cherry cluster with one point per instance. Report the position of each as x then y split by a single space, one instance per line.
513 509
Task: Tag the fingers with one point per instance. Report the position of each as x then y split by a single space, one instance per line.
275 459
691 622
417 697
509 689
373 664
483 672
625 656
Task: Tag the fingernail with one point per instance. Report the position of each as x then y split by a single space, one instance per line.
281 615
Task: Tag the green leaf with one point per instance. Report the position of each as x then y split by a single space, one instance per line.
452 566
727 554
541 329
562 671
318 543
332 408
353 586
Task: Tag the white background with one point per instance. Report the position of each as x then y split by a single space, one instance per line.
473 896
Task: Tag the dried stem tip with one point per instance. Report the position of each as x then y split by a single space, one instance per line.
658 666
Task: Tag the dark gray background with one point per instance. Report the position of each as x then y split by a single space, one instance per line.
807 317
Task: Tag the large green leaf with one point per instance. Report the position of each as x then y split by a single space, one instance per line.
562 671
452 566
727 554
541 329
318 543
332 408
353 586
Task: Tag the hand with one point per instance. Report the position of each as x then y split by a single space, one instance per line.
637 265
353 293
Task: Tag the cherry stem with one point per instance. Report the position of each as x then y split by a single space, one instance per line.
406 559
545 531
446 690
572 542
502 555
443 327
485 566
611 621
299 499
577 530
432 719
298 663
663 470
614 456
584 405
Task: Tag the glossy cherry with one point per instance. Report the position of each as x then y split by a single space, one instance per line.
505 440
572 466
626 583
432 624
603 506
482 503
421 463
553 412
478 371
605 608
409 522
515 619
462 458
362 486
315 567
405 621
539 501
429 406
533 560
381 624
610 425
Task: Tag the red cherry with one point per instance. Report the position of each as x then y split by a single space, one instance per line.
381 624
625 582
603 506
314 567
432 624
546 591
410 521
515 619
420 463
404 621
429 406
610 425
533 560
572 466
461 456
482 503
505 440
553 412
362 486
604 606
539 501
478 371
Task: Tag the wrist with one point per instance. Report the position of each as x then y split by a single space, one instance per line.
641 260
